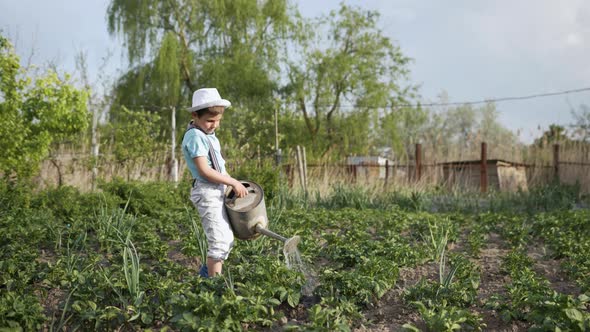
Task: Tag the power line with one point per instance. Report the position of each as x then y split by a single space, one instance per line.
458 103
485 101
494 100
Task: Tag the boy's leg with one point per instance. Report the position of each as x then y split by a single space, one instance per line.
209 202
214 266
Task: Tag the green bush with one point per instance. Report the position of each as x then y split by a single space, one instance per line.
266 175
14 196
149 199
68 204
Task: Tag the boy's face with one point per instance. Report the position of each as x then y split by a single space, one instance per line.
208 122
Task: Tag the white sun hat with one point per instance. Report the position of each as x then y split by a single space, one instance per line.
207 97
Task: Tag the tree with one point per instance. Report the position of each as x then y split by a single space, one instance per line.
134 138
448 132
402 128
34 113
554 135
358 72
234 46
167 73
501 141
581 128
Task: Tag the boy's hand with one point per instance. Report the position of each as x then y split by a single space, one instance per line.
239 189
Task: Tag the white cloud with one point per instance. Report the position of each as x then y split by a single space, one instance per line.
528 28
573 39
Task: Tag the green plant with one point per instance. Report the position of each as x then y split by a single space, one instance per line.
132 271
150 199
37 112
333 315
20 311
199 235
476 239
111 225
442 317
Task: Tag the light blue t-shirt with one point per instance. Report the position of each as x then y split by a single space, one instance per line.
194 144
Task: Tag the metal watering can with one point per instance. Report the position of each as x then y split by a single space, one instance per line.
248 219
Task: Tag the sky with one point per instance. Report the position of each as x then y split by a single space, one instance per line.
468 50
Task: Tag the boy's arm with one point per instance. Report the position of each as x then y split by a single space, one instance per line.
214 176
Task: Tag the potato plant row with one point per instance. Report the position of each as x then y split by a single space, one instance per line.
128 258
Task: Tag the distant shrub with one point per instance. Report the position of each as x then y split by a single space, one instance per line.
14 196
150 198
68 203
266 175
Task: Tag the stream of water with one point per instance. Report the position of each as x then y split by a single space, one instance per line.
294 262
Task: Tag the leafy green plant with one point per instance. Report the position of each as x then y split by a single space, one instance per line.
531 298
442 317
94 270
20 311
458 287
560 312
333 315
476 239
438 237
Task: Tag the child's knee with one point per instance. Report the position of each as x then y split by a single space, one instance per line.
220 248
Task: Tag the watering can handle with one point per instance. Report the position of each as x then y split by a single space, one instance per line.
229 191
230 194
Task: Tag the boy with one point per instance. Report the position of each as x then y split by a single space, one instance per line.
202 152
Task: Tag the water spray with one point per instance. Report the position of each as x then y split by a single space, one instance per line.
248 219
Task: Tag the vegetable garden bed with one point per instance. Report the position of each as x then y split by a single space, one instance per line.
121 261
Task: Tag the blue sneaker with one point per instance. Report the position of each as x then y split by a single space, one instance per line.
204 272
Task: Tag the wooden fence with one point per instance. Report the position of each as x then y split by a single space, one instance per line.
488 172
482 174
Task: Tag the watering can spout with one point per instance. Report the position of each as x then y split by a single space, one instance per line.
290 244
260 229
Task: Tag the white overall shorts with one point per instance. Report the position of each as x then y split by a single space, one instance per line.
208 198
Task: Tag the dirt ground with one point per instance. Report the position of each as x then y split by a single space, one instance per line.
391 312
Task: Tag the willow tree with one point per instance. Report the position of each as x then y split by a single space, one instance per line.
345 79
167 71
233 45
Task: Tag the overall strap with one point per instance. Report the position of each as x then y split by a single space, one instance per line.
212 156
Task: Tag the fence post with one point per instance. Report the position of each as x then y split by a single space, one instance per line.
418 161
95 146
304 167
386 172
174 166
484 168
278 153
556 162
300 169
